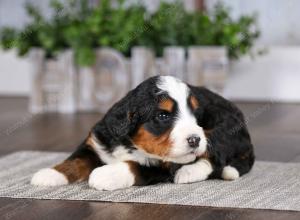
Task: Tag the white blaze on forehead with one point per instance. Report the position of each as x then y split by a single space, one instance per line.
179 91
175 89
186 123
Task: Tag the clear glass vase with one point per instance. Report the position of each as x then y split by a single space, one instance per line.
207 66
103 84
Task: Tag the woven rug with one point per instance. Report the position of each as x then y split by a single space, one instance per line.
270 185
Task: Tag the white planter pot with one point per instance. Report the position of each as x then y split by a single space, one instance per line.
142 65
207 66
53 83
175 62
59 86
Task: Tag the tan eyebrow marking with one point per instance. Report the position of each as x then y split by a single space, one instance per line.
194 102
166 104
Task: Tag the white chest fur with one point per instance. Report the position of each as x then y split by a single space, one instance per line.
121 153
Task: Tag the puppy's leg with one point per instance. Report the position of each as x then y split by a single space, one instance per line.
74 169
238 166
198 171
125 174
230 173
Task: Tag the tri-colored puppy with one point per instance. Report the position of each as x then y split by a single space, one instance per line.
162 131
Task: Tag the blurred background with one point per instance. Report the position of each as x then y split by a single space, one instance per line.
83 55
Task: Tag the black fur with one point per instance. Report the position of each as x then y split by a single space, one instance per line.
229 142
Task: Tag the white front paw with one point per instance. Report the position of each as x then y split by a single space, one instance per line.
198 171
48 177
187 174
111 177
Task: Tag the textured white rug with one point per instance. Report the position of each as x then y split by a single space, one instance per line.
268 186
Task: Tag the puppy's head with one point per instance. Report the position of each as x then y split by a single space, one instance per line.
159 117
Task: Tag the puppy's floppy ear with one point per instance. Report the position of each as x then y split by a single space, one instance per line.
122 117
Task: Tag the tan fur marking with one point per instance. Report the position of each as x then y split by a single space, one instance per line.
205 155
166 104
208 132
78 169
166 165
158 145
194 102
75 170
90 141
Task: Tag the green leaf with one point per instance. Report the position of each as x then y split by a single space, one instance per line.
84 56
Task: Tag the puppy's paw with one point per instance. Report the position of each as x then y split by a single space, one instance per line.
48 177
111 177
230 173
196 172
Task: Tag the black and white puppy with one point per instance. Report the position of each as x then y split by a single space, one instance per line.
162 131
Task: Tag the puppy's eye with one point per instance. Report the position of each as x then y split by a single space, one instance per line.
163 116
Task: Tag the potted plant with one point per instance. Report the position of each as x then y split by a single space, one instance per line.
71 71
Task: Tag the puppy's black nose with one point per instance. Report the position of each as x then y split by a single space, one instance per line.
193 141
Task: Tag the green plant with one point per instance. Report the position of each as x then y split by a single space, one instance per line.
172 25
77 26
116 27
220 29
168 26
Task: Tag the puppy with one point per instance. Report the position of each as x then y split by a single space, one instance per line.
162 131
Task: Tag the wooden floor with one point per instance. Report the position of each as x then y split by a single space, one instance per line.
275 132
